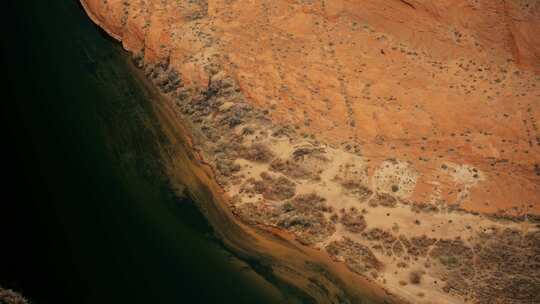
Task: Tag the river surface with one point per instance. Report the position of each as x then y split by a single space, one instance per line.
88 215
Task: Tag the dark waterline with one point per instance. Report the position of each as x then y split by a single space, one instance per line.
87 214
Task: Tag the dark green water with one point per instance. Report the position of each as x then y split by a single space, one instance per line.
87 215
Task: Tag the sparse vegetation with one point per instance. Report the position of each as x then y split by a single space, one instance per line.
257 153
415 277
274 188
353 221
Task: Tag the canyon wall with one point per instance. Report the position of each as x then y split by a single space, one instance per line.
400 137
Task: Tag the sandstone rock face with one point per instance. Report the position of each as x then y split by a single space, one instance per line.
416 119
423 82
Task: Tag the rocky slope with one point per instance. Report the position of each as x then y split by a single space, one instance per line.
400 137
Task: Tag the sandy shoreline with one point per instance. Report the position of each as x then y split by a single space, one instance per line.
268 239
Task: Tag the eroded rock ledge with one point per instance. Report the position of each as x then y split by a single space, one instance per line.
358 200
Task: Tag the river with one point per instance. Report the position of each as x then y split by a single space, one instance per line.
89 215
